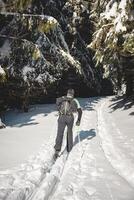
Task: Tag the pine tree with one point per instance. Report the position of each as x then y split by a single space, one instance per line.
113 41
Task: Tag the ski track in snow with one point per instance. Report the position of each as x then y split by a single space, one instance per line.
20 182
91 176
93 169
117 158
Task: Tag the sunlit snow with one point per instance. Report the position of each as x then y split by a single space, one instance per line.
100 165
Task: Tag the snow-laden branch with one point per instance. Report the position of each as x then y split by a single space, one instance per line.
28 15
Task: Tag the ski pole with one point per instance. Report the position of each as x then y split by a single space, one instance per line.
79 140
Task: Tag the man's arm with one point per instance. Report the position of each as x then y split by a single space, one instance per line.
79 110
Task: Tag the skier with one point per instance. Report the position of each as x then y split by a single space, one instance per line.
67 105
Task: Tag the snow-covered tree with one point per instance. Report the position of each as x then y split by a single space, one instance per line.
41 40
113 41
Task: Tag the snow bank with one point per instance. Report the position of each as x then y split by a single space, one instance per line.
19 183
122 164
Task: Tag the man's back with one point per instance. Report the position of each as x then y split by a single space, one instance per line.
67 105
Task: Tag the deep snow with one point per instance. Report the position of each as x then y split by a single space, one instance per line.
100 166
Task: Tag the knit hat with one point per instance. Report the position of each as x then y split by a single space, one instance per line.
70 93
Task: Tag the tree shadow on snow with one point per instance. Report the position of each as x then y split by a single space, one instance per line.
90 103
15 118
27 124
85 135
121 103
132 113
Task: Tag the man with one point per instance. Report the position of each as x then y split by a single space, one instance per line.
67 105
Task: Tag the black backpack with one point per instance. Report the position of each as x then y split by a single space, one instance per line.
65 107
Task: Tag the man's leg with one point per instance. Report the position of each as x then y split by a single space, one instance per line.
70 121
60 132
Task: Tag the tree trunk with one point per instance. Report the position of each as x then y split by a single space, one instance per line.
127 63
129 85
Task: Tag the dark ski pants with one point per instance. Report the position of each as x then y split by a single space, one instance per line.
63 121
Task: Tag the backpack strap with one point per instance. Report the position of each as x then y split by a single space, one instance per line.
61 101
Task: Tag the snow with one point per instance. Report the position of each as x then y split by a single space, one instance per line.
100 165
118 12
2 72
111 12
123 4
117 145
5 49
119 27
50 19
70 59
21 127
26 70
2 6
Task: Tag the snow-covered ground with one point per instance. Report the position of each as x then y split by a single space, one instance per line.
25 133
99 167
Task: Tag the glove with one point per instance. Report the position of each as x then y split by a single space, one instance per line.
78 123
